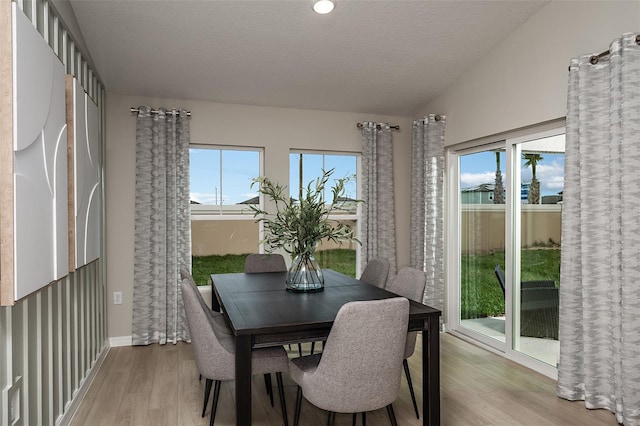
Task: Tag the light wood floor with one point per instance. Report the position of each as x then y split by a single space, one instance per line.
158 385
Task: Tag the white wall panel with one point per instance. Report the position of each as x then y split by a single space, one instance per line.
40 162
87 177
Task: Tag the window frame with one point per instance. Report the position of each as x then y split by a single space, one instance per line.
510 142
357 215
216 211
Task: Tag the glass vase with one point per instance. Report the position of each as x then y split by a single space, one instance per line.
305 274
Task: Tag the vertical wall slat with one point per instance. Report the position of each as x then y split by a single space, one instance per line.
60 365
68 353
38 358
50 355
26 371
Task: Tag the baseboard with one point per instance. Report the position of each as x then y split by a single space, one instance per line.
73 405
120 341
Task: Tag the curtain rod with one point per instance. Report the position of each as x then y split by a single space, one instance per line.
596 58
153 111
379 126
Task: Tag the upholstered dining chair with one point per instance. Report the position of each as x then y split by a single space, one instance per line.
360 367
376 272
272 262
215 317
409 283
256 263
214 352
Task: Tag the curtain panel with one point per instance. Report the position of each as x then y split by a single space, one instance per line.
600 264
377 225
427 205
162 226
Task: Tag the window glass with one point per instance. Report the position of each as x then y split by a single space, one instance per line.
221 180
223 229
306 167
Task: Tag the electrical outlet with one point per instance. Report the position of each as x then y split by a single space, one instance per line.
117 298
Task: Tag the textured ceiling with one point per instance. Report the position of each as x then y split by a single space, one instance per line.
379 57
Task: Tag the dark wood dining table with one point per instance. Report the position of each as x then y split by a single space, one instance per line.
262 313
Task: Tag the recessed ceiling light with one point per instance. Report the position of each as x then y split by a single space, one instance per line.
323 6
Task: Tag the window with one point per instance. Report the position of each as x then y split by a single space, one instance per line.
221 180
305 167
220 191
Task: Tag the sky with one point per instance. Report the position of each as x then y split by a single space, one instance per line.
233 185
479 168
239 167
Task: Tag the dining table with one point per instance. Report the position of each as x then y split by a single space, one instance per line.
262 313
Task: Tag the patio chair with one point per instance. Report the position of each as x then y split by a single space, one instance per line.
539 306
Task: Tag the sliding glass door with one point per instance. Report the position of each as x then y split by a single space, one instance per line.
504 252
481 216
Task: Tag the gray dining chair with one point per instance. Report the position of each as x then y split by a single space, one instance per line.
214 352
376 272
360 367
271 262
409 283
215 317
256 263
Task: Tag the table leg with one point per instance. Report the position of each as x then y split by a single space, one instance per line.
243 380
431 373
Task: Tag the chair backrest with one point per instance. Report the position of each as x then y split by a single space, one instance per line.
524 284
187 278
409 283
256 263
214 354
184 273
361 361
376 272
500 276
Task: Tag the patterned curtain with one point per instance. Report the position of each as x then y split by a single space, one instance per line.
427 205
600 265
377 225
162 227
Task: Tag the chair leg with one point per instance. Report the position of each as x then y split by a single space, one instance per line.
313 346
364 418
207 392
392 415
332 418
413 395
283 403
296 415
267 384
216 394
299 349
354 417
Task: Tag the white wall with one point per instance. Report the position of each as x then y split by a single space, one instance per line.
524 80
276 129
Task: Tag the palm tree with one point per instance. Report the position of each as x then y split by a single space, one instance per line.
498 188
534 190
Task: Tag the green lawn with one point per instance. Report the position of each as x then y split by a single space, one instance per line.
341 260
481 294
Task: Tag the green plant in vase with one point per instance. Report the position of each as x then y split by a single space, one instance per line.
298 226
